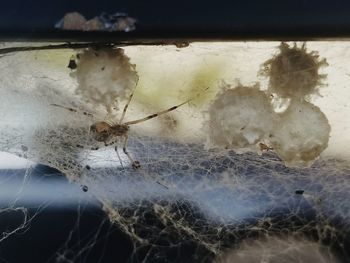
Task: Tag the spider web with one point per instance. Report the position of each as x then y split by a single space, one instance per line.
226 198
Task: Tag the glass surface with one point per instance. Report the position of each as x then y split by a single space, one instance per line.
255 152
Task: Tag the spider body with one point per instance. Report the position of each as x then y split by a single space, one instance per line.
109 134
104 132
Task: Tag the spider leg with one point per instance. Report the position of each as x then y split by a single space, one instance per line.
127 103
161 112
83 147
154 115
120 160
72 110
109 143
135 164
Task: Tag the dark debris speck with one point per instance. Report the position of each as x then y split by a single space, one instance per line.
72 64
85 188
299 192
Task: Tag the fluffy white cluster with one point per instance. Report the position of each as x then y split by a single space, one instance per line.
242 118
301 134
105 77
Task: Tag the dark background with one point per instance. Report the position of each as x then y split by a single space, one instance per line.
194 20
66 224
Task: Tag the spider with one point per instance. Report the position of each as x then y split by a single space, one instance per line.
109 132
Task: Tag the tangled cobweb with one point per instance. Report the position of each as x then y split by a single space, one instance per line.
251 171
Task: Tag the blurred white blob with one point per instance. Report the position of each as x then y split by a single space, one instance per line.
279 250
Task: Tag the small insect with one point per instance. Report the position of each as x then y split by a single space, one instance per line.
109 132
72 64
264 147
